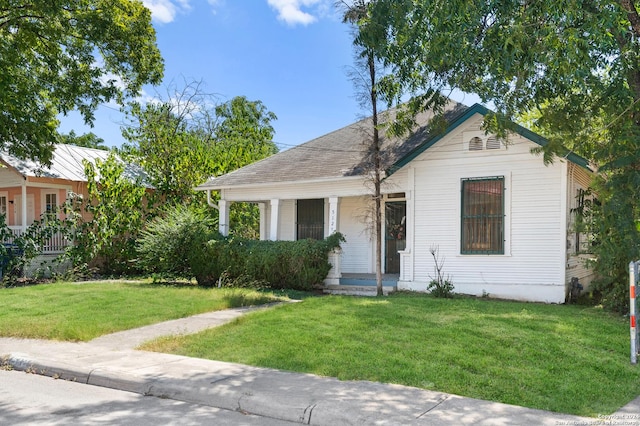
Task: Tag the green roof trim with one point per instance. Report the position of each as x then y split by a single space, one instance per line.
461 118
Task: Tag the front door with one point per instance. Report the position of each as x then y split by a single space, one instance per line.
395 234
17 210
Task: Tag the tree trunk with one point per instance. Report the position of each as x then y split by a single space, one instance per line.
377 172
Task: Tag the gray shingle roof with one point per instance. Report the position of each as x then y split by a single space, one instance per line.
336 155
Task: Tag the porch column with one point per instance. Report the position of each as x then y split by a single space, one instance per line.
23 217
335 273
333 214
223 219
275 219
263 221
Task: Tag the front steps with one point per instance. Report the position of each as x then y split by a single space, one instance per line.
357 290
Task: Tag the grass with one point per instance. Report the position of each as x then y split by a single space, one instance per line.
570 359
83 311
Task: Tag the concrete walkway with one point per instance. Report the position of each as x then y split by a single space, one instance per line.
111 361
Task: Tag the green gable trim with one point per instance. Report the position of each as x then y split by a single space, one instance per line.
467 114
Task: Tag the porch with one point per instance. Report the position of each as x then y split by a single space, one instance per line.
55 245
362 284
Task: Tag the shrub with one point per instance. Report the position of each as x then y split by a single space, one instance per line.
172 244
297 265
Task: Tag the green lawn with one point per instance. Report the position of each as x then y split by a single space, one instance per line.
83 311
570 359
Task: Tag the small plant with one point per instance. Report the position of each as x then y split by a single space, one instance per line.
439 285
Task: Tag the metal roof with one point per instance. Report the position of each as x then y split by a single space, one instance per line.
66 163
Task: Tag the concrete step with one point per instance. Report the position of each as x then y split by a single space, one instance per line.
355 290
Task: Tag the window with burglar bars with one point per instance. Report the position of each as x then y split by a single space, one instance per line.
310 219
483 216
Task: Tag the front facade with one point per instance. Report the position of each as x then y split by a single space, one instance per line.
501 220
28 189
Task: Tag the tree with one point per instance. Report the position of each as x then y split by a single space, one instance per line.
186 139
244 133
173 140
182 141
88 140
57 56
577 63
117 206
365 78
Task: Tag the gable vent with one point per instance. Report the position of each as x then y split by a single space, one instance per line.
475 144
493 143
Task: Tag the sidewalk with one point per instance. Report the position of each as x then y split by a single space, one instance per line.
111 362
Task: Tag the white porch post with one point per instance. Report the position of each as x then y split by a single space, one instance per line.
333 214
263 221
23 201
333 278
223 219
275 219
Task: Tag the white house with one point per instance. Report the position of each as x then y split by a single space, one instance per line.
501 218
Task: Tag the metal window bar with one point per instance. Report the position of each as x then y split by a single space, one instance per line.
483 216
310 219
314 231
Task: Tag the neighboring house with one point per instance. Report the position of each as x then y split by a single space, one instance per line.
28 189
502 220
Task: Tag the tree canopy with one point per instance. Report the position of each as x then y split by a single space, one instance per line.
182 141
577 62
88 140
59 56
573 65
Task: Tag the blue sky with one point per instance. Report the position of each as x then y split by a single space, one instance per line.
293 55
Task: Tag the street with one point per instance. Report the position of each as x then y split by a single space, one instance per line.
38 400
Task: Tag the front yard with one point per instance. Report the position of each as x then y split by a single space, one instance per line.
84 311
570 359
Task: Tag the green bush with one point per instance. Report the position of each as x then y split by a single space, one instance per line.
173 243
297 265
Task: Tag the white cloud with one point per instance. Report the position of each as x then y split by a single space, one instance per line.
165 11
290 11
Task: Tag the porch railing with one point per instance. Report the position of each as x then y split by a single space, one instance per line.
56 244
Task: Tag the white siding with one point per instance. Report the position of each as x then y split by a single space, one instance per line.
357 251
287 222
532 266
292 191
9 177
